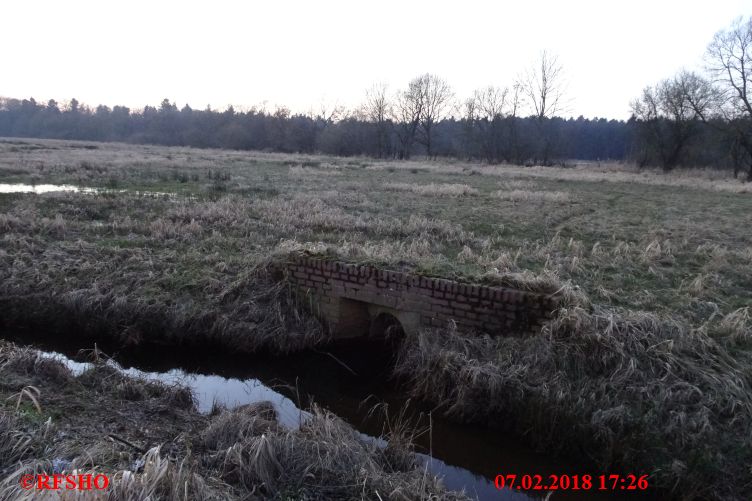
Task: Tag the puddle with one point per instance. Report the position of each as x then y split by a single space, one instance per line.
37 188
51 188
466 457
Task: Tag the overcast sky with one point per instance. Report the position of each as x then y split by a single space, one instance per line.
305 53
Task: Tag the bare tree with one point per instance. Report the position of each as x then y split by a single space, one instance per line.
408 110
515 100
490 118
543 87
491 101
700 95
437 101
328 113
470 120
377 109
669 113
490 107
729 58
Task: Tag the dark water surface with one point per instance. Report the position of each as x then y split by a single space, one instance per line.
349 380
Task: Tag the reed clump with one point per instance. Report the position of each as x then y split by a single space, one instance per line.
632 391
254 311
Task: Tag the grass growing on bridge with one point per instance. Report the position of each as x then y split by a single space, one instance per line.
667 258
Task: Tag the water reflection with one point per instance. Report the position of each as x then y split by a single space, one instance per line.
36 188
51 188
475 486
233 392
208 390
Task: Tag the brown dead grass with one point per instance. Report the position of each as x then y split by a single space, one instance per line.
528 196
632 391
433 189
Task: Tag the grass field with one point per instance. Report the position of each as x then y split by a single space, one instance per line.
647 366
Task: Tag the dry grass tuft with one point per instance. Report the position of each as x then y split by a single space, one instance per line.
16 443
324 459
300 170
519 184
303 214
434 189
161 478
737 325
532 196
230 427
30 363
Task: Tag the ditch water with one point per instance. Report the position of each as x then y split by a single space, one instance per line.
348 380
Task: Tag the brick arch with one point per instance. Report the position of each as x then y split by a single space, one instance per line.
347 296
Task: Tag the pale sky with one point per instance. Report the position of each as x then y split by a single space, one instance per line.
304 53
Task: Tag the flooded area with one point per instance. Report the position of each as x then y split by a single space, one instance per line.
40 189
350 381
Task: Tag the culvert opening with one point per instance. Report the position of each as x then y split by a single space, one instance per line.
386 326
387 330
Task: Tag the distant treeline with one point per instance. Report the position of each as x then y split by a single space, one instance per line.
286 132
503 139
